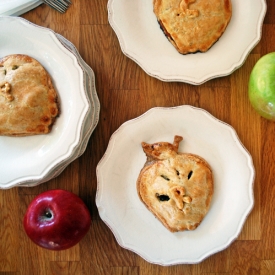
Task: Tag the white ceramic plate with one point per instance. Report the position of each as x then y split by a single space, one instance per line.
142 40
17 7
134 227
29 159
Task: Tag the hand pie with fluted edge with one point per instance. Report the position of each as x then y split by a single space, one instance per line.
176 187
28 100
193 25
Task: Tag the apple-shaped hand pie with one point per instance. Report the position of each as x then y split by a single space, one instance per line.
176 187
193 25
28 100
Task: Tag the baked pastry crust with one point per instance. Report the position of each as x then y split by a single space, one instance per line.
176 187
193 25
28 100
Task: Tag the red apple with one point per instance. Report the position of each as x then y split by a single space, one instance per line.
57 220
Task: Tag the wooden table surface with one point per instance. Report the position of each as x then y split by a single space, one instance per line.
125 91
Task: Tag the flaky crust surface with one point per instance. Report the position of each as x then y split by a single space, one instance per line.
193 25
28 100
176 187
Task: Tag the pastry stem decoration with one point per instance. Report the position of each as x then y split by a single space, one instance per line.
161 150
184 6
6 90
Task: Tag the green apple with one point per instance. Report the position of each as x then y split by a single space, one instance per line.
261 86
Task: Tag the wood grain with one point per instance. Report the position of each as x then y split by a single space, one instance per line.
125 91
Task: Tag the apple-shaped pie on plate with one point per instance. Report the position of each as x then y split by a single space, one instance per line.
176 187
193 25
28 100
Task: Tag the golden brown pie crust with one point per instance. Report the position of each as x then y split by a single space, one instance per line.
28 100
193 25
176 187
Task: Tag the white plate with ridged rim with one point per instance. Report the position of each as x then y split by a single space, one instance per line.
142 40
134 227
29 159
